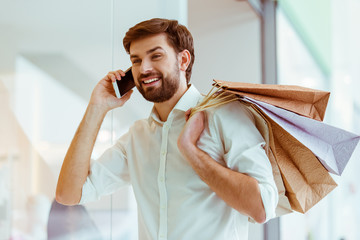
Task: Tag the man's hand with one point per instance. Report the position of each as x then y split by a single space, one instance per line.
76 165
191 132
238 190
103 94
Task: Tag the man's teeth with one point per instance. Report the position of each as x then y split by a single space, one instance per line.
151 80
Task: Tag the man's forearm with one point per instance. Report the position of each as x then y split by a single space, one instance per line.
238 190
76 164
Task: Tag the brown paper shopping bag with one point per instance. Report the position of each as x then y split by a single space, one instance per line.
305 179
263 125
304 101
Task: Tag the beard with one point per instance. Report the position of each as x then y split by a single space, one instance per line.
169 86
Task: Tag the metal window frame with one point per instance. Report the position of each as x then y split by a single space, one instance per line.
266 10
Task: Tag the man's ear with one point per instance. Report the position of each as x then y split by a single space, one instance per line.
184 59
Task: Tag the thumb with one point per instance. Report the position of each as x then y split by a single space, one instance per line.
119 102
187 114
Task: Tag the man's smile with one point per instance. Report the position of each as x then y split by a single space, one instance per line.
151 80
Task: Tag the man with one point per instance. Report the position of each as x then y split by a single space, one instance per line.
196 179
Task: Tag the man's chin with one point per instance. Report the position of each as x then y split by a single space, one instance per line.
156 98
159 92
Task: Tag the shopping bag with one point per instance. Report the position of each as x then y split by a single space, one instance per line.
332 146
305 179
304 101
283 207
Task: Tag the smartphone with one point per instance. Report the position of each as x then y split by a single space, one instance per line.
125 84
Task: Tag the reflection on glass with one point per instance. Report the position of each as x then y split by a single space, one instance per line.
336 216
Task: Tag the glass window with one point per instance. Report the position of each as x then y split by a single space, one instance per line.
336 216
52 56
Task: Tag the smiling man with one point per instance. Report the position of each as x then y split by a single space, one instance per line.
156 68
197 179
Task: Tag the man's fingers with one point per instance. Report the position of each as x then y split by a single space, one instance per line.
122 73
110 78
118 73
187 114
114 75
118 76
125 98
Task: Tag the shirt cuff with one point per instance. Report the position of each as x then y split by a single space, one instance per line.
88 192
270 198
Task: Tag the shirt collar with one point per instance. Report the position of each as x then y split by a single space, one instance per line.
190 99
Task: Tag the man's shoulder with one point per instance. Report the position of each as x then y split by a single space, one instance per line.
137 128
230 111
140 124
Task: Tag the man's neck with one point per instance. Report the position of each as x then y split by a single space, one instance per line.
164 108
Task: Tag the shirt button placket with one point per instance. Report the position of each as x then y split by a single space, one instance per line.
162 183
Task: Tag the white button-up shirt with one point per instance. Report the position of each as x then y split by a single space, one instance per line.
173 202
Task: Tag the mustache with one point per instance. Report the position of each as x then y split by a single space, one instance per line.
150 74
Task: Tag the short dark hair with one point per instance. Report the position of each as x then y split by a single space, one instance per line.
178 36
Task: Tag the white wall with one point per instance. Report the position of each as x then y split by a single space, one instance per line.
227 42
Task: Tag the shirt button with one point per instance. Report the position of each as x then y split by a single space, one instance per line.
161 179
163 153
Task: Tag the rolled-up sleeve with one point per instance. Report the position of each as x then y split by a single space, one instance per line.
244 150
107 174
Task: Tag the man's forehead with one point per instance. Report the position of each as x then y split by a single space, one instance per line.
149 43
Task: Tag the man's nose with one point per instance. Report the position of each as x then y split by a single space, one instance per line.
146 67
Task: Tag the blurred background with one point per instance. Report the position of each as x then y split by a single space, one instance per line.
52 53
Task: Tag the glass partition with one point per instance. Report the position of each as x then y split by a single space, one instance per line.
336 217
52 57
52 54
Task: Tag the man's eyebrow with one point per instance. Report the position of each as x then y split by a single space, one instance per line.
148 51
154 49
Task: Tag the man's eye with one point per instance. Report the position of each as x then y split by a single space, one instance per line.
156 56
136 61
